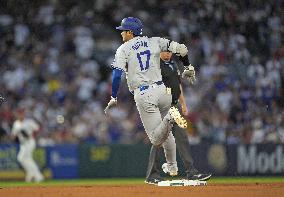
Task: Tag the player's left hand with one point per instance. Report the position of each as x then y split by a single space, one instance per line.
111 103
189 74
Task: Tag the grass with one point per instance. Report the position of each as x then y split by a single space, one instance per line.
137 181
76 182
235 180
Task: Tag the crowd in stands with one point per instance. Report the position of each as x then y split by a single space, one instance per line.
55 59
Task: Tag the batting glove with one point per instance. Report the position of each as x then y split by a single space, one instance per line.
111 103
189 74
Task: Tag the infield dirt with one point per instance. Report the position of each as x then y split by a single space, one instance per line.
214 190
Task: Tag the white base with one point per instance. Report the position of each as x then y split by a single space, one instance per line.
182 183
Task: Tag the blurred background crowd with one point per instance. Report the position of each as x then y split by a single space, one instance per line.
55 59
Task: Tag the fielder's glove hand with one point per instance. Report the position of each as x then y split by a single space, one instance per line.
111 103
189 74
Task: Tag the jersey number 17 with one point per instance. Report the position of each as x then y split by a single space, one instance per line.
144 59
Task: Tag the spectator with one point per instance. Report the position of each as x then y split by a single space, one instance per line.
56 59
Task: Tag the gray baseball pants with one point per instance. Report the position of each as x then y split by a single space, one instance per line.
153 105
183 146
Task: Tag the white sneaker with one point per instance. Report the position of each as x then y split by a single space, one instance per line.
39 178
181 122
172 170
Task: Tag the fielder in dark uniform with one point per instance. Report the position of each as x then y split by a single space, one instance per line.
171 79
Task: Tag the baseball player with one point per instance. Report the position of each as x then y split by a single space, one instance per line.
2 99
24 129
139 58
171 78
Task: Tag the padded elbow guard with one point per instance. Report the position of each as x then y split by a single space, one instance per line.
178 49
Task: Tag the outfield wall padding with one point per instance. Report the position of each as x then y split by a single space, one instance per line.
93 161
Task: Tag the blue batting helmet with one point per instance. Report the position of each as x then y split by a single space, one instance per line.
131 24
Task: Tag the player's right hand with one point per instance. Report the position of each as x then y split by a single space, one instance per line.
189 74
111 103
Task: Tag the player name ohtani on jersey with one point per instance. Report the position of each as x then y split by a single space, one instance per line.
139 44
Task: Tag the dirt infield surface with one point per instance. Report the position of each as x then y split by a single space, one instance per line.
230 190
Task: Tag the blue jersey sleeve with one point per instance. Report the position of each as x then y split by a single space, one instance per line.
116 78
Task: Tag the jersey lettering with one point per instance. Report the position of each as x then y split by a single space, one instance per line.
138 44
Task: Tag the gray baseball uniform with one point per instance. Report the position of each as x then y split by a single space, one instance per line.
139 58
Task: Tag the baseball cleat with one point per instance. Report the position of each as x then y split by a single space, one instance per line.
199 177
171 170
153 181
174 113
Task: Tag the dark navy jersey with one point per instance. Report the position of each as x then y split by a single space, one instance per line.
171 78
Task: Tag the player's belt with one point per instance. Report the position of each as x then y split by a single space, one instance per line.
145 87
